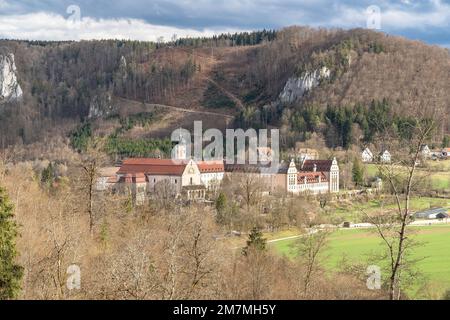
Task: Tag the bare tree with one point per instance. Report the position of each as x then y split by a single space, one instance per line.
308 249
90 163
400 174
249 187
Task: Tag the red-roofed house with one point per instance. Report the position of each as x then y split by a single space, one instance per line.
314 177
211 173
329 167
179 177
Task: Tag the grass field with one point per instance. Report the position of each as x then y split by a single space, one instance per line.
440 181
438 172
353 211
358 245
439 165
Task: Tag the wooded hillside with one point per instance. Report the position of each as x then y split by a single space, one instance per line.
242 75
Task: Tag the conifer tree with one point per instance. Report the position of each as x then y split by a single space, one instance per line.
358 173
10 272
255 241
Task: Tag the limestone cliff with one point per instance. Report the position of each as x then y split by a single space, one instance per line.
9 86
100 106
296 87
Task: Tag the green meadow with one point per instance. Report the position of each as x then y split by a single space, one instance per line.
357 246
353 210
438 172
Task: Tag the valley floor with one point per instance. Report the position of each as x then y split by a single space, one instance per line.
358 246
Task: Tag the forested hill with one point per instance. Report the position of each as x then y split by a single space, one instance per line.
303 80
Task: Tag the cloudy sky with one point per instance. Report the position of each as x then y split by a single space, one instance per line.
427 20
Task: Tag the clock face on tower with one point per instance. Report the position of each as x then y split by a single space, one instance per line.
191 171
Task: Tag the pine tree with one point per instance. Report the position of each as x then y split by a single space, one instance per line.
221 203
47 175
255 241
10 272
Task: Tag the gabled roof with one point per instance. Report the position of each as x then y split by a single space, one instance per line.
153 166
166 166
321 165
257 168
367 151
153 161
211 166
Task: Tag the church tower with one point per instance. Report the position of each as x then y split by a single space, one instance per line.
334 177
292 176
180 150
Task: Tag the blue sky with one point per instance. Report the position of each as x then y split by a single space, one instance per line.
427 20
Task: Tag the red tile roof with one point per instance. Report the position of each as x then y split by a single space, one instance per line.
166 166
152 161
153 166
211 166
311 177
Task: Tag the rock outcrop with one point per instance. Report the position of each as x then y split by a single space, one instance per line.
296 87
10 89
100 106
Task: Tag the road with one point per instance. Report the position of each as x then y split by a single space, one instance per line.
418 223
179 109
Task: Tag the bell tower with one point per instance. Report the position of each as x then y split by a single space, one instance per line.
292 176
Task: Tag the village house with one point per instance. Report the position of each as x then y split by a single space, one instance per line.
367 156
190 180
329 168
309 176
185 178
425 152
385 157
107 178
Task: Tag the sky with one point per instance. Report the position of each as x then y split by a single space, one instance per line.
426 20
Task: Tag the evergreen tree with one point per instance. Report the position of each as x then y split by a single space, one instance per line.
47 175
358 173
446 141
255 241
221 203
10 272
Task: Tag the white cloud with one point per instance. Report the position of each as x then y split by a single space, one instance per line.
44 26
